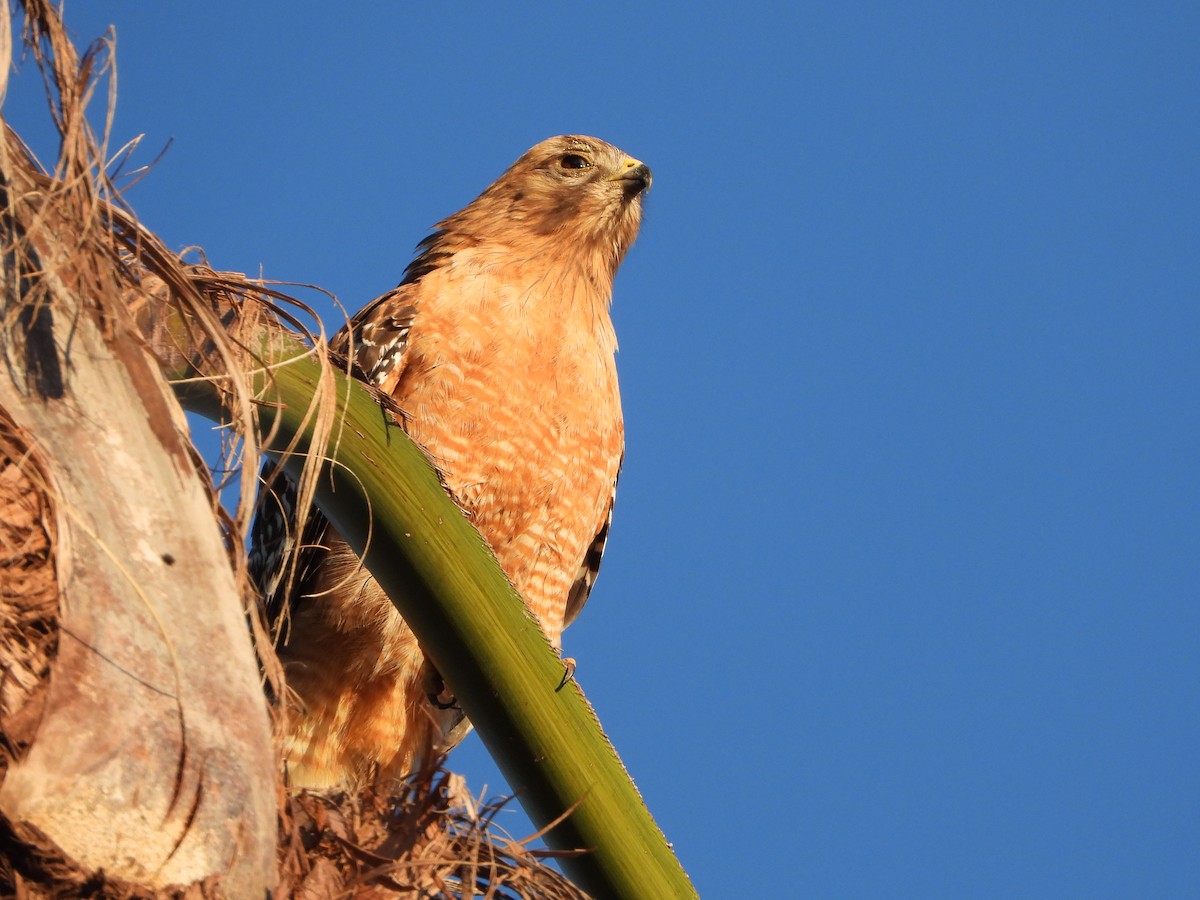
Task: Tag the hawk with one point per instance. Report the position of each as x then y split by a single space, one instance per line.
497 350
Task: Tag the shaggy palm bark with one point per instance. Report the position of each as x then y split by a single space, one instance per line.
153 757
150 757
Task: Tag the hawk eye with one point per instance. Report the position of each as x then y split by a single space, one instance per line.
574 161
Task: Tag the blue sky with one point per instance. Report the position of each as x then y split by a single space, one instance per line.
901 596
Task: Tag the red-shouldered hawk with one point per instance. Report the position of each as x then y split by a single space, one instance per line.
498 348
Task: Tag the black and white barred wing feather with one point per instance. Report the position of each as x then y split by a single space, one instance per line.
285 552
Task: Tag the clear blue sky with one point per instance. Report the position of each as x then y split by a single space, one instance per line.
902 594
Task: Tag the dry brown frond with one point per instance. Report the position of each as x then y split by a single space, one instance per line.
28 590
432 839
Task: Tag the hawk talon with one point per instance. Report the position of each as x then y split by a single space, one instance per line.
451 704
568 675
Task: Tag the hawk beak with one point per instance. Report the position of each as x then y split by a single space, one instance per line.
635 174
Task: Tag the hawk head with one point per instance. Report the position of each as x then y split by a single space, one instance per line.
577 191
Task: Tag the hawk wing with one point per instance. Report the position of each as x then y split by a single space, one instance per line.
274 546
581 589
376 338
373 341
